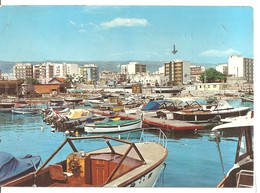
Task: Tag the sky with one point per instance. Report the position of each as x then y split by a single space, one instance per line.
201 34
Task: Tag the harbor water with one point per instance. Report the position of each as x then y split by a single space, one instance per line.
193 159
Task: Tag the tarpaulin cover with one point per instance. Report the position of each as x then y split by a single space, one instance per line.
11 167
154 105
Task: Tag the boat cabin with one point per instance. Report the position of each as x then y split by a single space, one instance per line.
242 172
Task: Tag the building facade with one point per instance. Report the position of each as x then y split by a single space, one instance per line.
239 66
43 72
22 71
223 68
178 71
89 72
133 68
196 72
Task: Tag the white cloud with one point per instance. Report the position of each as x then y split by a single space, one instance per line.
124 22
73 23
219 53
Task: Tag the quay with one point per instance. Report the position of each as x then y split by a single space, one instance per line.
164 124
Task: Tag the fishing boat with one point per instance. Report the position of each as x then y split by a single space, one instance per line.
73 99
108 126
121 163
209 113
242 172
95 102
24 111
6 105
14 167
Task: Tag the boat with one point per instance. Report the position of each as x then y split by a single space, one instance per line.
57 119
7 104
14 167
73 99
111 126
77 125
95 101
20 110
249 115
78 113
117 162
209 113
241 174
174 90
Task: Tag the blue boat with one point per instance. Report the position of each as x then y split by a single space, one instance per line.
12 167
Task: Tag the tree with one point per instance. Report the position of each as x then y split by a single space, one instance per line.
211 75
31 81
69 79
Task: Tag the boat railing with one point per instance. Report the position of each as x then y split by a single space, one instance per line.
146 134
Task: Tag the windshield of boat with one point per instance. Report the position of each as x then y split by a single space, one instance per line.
245 146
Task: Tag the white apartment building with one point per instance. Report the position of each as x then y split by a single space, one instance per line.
133 68
236 66
23 71
90 72
239 66
72 69
43 72
59 70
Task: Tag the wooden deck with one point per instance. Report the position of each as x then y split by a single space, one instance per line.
152 121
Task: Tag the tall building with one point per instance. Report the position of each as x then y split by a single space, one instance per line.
178 71
59 70
23 71
72 69
133 68
43 72
195 73
239 66
89 72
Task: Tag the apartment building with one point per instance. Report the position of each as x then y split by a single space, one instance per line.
133 68
22 71
43 72
89 72
239 66
196 72
178 71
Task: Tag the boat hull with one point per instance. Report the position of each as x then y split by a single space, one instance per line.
130 125
205 116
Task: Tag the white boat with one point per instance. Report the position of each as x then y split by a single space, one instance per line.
25 111
241 174
115 163
108 126
197 113
249 115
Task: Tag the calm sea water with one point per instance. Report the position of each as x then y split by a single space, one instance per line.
193 159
